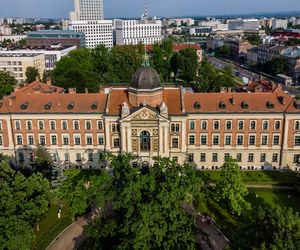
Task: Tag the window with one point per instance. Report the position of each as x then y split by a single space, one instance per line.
203 139
19 140
1 140
0 125
228 125
65 140
238 157
215 140
21 157
228 140
216 125
263 157
192 125
297 140
250 157
101 140
191 157
76 125
265 125
90 157
115 128
276 140
192 140
42 140
275 157
297 125
204 125
202 157
64 125
53 139
264 140
252 140
297 158
17 125
116 143
30 140
67 157
240 140
214 157
41 125
89 140
52 125
253 125
100 125
226 156
77 140
78 157
88 125
29 125
174 127
175 143
277 125
241 125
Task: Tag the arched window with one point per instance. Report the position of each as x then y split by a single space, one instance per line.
52 125
76 125
41 125
277 125
64 125
192 125
145 141
216 125
297 125
88 125
241 125
228 125
204 125
253 125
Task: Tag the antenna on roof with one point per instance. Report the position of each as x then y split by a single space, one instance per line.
146 12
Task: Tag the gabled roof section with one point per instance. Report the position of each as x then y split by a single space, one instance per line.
39 87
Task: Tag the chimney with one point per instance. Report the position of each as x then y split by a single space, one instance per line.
223 90
16 88
49 82
37 79
59 103
232 100
72 90
11 101
86 90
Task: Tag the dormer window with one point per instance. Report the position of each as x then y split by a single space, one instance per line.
222 105
270 105
48 105
94 105
24 105
244 105
197 105
71 105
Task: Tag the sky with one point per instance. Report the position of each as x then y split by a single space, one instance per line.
134 8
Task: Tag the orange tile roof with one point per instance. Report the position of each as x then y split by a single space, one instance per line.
38 87
116 99
172 98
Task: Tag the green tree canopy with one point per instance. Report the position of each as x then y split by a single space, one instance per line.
188 64
146 207
31 74
7 83
43 162
254 39
230 188
274 228
23 202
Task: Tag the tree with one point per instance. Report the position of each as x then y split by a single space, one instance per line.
175 63
270 228
22 42
31 74
222 51
7 83
230 188
23 202
188 64
43 162
147 208
254 39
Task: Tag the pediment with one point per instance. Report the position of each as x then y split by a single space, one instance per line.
144 113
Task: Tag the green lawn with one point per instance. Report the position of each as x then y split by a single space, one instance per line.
257 177
51 226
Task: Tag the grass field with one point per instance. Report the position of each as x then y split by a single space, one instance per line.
257 177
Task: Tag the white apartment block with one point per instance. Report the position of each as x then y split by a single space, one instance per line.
17 63
138 31
87 10
279 24
243 24
96 32
13 38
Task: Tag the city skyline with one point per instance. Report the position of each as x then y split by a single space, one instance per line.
134 8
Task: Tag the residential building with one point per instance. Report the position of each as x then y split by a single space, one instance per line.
87 10
147 119
96 32
196 30
52 54
13 38
49 37
243 24
292 54
252 56
279 24
266 52
17 63
138 31
5 30
237 47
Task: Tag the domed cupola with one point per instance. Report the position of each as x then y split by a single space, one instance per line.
145 78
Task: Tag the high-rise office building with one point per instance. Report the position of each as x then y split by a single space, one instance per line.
87 10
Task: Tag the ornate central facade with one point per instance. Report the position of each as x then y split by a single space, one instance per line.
260 130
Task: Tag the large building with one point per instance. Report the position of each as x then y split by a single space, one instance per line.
87 10
279 24
49 37
147 119
243 24
138 31
17 63
52 54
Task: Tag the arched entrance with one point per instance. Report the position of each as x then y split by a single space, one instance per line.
145 142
